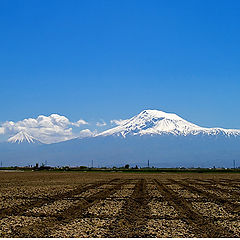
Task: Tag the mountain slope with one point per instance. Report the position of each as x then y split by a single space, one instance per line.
161 150
23 137
154 122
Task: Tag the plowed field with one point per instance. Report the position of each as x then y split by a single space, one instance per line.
42 204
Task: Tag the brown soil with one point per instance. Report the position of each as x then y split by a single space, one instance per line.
45 204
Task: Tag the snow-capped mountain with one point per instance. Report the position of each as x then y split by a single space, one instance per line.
165 139
23 137
154 122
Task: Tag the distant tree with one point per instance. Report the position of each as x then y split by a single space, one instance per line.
83 167
135 167
127 166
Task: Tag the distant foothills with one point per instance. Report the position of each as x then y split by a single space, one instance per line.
164 139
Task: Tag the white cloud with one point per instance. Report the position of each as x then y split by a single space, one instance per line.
79 123
2 130
118 122
48 129
87 133
101 124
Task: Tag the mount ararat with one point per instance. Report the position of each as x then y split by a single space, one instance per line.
165 139
154 122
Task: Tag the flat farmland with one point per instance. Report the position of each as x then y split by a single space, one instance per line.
77 204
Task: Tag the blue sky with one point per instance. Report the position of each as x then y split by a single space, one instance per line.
96 60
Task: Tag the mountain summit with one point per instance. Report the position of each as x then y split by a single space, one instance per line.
154 122
23 137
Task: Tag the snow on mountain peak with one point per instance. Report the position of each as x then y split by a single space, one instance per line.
23 137
155 122
158 114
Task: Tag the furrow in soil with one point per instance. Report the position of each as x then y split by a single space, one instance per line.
43 226
211 195
21 209
131 221
203 227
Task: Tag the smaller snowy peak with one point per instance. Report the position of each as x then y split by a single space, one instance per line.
23 137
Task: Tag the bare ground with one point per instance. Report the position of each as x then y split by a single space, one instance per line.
48 204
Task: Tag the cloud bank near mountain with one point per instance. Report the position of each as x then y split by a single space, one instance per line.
48 129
